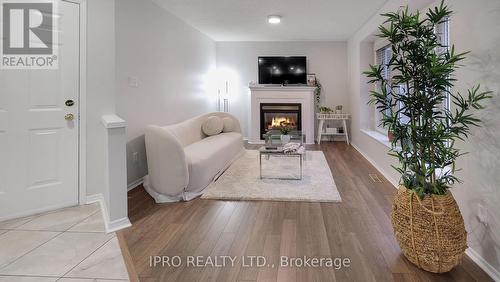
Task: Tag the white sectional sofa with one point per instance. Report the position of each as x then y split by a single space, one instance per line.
182 160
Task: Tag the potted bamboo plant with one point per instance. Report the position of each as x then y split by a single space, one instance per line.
427 222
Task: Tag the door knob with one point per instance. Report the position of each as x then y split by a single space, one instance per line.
69 117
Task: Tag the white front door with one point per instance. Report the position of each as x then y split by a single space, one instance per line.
38 146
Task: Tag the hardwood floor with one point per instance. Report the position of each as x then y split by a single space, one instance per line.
358 228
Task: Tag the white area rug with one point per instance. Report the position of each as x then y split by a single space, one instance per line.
241 180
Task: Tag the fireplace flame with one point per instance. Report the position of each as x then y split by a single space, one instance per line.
282 122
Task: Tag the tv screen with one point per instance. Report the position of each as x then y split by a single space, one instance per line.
282 70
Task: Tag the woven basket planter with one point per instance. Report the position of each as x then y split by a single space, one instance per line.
430 232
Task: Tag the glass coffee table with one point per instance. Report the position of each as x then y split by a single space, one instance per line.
274 148
273 138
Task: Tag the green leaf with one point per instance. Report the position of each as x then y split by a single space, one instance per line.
424 143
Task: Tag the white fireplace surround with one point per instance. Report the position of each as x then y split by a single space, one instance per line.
303 95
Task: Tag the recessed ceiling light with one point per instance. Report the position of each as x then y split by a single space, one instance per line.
274 19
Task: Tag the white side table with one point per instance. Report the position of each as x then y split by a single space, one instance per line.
341 117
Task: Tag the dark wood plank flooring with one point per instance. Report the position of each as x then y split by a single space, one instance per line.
358 228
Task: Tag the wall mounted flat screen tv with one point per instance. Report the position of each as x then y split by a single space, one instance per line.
282 70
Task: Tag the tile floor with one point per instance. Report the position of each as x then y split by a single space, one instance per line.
66 245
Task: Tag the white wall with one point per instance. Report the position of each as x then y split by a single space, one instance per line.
171 61
327 59
474 26
100 88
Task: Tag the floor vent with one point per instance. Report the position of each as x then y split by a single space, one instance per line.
375 178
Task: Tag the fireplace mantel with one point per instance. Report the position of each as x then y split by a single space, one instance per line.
303 95
282 88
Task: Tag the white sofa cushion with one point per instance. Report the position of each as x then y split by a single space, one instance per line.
210 156
189 131
228 124
212 126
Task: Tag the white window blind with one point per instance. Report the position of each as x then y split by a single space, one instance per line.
442 32
443 35
384 55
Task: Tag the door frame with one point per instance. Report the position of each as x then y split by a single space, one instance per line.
82 103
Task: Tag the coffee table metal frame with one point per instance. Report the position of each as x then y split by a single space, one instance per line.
279 153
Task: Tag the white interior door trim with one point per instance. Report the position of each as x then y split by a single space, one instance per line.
82 134
82 181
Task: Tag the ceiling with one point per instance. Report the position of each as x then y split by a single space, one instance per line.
302 20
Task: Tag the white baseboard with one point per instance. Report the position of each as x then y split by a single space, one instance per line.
394 182
135 183
37 211
118 224
483 264
96 198
111 226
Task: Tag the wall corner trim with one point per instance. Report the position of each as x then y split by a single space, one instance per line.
111 226
113 121
483 264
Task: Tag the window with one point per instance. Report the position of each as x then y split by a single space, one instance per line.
382 58
443 34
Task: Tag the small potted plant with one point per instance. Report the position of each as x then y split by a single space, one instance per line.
285 137
325 110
